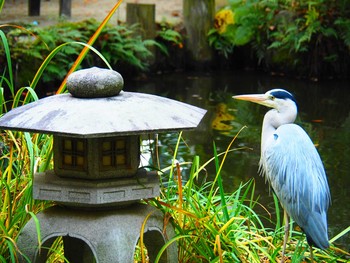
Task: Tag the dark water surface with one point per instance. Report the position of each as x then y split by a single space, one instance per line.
324 112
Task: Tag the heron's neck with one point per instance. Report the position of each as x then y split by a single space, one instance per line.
273 119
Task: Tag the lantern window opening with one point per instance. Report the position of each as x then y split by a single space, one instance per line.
74 154
114 153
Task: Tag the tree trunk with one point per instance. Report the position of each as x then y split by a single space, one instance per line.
143 14
34 7
66 8
198 20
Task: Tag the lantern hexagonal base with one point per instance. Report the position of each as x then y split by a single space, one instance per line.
96 194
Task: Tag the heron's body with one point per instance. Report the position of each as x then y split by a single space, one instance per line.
293 166
299 180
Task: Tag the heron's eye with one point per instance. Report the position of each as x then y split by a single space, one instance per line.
272 97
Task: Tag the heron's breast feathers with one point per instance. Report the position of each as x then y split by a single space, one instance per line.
294 169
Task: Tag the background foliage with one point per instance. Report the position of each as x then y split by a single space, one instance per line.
126 51
307 38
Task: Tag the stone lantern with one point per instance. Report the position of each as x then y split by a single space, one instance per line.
96 181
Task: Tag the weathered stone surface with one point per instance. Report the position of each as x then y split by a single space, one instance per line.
95 83
102 193
108 235
125 114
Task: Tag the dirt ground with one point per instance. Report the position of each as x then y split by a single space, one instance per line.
17 10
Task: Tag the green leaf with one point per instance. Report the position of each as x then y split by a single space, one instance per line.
243 35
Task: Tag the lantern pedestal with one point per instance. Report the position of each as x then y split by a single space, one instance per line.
99 236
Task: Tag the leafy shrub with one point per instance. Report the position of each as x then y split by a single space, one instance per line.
309 38
118 44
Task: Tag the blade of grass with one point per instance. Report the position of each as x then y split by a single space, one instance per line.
46 153
30 148
142 231
248 188
2 100
173 162
19 93
236 201
218 168
180 195
225 154
341 234
221 187
54 52
179 182
37 225
218 247
7 197
167 244
11 244
193 173
9 61
278 215
90 43
2 2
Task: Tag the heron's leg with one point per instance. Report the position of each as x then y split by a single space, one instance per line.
311 254
286 234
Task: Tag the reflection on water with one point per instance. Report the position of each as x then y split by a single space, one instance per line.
324 112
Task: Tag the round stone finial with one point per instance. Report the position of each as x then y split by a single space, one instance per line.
95 83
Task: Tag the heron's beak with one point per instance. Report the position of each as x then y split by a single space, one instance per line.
256 98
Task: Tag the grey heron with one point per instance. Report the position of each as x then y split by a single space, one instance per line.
293 167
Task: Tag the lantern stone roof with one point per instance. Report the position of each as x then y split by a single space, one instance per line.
124 114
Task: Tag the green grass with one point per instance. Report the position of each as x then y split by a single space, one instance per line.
21 155
215 226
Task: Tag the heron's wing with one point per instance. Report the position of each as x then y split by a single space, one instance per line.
295 171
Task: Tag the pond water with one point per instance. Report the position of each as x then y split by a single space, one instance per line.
324 112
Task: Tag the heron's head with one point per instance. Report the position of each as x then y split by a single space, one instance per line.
275 98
